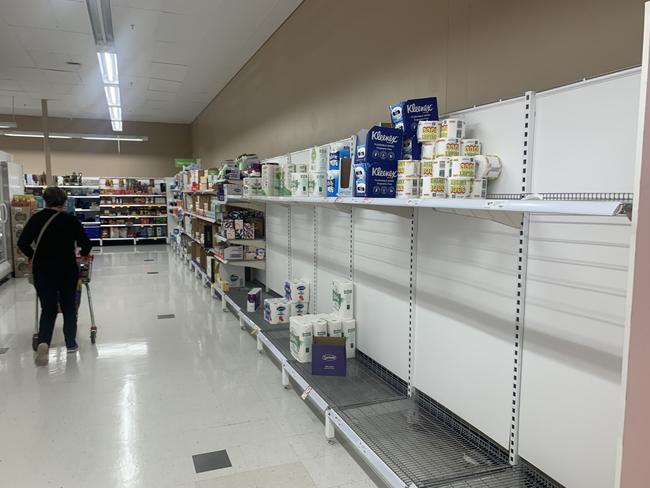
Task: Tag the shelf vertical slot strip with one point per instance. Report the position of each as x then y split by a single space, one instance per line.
522 267
412 308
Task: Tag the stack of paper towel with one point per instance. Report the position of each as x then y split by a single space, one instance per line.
303 329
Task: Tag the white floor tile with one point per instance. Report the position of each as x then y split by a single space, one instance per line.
131 411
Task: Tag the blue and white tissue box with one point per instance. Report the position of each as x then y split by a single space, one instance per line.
406 115
375 180
378 144
411 149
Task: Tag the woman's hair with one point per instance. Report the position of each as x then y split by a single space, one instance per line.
54 196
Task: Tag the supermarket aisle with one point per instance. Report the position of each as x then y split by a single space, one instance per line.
132 411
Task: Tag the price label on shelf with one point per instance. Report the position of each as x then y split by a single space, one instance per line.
306 392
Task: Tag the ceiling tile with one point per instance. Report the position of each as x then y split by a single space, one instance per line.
173 53
182 28
62 77
166 71
159 96
33 13
164 85
56 41
72 15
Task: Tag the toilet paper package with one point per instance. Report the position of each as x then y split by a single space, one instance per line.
428 131
317 184
300 338
333 183
427 151
376 179
334 328
459 187
319 159
488 167
252 186
286 170
405 115
479 188
319 327
447 147
434 187
349 330
408 187
270 178
296 290
426 168
463 166
452 129
408 168
299 184
343 299
276 310
441 167
253 299
299 308
470 147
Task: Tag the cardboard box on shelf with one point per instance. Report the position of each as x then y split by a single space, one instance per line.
329 356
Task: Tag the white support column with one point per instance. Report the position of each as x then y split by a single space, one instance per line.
260 346
224 304
285 378
330 431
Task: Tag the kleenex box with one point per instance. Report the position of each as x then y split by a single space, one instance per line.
406 115
378 144
375 180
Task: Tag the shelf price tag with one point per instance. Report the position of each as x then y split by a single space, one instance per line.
306 392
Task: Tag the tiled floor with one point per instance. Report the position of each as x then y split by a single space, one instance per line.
132 411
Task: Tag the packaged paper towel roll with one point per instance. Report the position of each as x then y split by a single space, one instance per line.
426 168
408 187
317 184
300 339
299 184
442 167
463 166
452 129
488 167
269 178
448 147
470 147
459 187
301 168
252 186
319 326
349 329
287 169
428 130
479 188
334 328
434 187
408 167
428 150
299 308
319 161
342 298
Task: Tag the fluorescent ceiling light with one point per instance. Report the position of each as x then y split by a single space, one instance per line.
8 125
108 67
36 134
112 95
113 138
115 113
117 125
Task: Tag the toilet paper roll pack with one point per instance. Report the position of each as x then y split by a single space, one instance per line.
317 184
334 326
252 186
459 187
349 330
428 151
408 187
319 327
300 339
463 166
342 298
428 130
299 308
276 310
319 159
301 168
442 167
489 167
408 168
426 168
299 184
447 147
452 129
296 290
270 178
470 147
434 187
479 188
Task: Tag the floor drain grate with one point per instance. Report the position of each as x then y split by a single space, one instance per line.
3 350
211 461
152 272
167 316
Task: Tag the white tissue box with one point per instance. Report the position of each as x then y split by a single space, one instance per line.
342 298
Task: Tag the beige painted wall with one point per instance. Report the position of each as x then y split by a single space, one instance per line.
101 158
334 66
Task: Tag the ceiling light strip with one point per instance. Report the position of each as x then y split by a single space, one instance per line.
89 137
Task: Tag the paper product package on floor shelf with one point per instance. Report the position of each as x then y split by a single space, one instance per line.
300 338
319 325
342 298
349 330
253 299
299 308
296 290
334 325
276 310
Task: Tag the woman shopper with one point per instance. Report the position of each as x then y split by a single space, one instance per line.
54 267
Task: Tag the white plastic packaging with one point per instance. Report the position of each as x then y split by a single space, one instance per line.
342 298
463 166
459 187
434 187
408 187
317 184
452 129
408 167
300 339
349 329
428 130
299 184
470 147
488 167
447 147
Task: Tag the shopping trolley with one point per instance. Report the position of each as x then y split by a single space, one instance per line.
85 265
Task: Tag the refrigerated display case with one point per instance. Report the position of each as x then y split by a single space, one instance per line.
10 185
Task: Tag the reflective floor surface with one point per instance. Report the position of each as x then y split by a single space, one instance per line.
133 410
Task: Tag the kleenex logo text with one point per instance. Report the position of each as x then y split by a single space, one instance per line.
378 136
383 173
416 109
